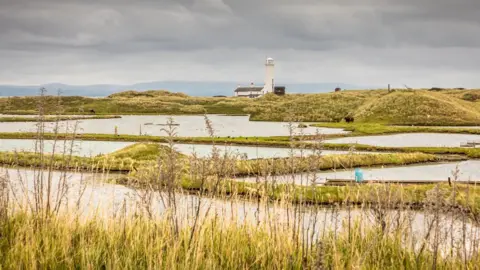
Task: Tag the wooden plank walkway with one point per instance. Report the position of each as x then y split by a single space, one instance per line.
344 182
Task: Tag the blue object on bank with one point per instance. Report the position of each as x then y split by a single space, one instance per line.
358 175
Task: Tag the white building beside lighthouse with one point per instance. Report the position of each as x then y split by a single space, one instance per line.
253 91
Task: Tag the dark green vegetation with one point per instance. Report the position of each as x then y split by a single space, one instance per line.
401 107
56 118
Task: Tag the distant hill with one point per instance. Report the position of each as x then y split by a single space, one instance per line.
189 88
399 107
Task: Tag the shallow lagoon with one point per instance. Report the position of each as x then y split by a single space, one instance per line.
188 126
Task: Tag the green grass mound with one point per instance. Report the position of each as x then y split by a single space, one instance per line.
126 159
418 108
144 151
325 107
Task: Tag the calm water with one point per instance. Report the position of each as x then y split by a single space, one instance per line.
80 148
468 171
411 140
189 126
251 152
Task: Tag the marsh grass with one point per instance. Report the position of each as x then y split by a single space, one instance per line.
273 141
144 244
228 232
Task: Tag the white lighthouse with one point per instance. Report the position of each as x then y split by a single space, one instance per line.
269 76
253 91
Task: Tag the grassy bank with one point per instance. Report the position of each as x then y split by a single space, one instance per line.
60 242
280 166
56 118
124 160
460 196
145 155
360 129
401 107
275 141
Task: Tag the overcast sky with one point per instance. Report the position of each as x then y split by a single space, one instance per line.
420 43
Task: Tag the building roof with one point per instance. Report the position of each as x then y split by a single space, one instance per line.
249 89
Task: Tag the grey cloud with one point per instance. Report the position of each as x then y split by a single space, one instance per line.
108 33
235 24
